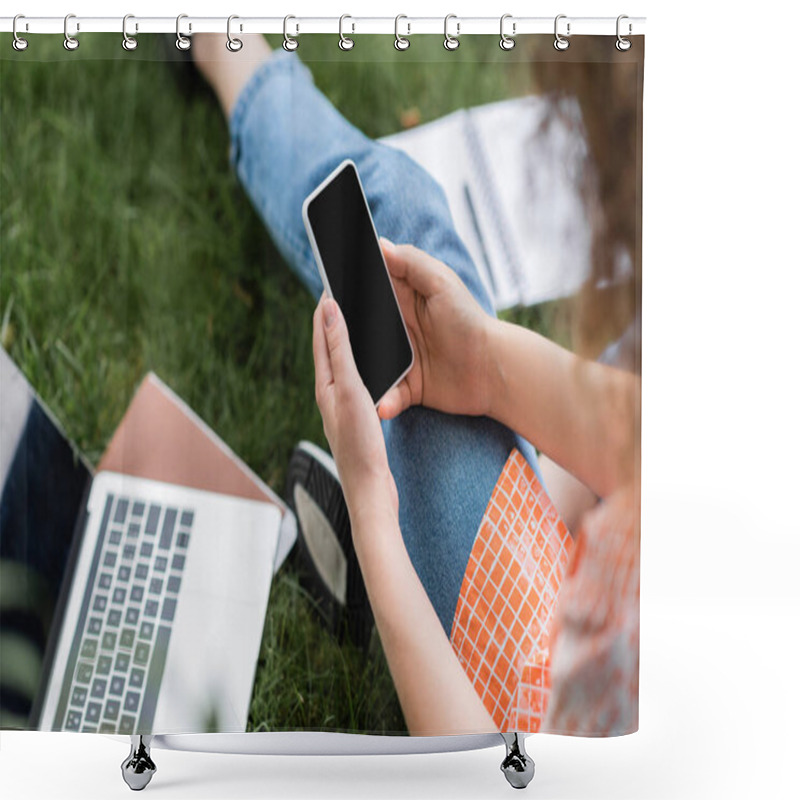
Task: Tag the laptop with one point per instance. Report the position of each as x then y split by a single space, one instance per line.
133 600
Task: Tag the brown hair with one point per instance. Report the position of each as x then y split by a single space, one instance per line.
608 86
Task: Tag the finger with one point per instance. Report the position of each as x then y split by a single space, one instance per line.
323 376
422 272
395 401
340 354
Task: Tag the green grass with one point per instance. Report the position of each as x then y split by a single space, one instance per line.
127 245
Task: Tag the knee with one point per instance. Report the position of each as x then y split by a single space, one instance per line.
406 202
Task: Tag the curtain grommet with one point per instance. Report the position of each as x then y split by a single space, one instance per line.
401 43
622 44
182 42
561 43
507 42
70 42
290 44
345 42
451 42
233 44
128 42
18 43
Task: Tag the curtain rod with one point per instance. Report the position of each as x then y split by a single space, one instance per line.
299 25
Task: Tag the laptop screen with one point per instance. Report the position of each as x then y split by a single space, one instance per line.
42 485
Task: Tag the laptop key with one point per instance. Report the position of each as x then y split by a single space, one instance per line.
132 701
174 583
137 593
141 654
84 672
187 518
146 549
155 673
138 509
151 526
133 531
122 510
105 580
168 609
78 696
108 727
178 561
141 572
74 721
114 617
104 665
115 537
146 631
109 640
128 551
155 585
93 712
109 559
123 662
94 626
127 637
151 608
126 724
132 616
100 601
89 648
117 685
136 680
183 540
161 564
167 529
119 596
112 709
124 574
99 687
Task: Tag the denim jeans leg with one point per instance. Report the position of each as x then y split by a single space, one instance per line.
286 138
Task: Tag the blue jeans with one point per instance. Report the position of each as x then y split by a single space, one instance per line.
286 138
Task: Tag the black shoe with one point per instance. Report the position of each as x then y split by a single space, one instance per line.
329 569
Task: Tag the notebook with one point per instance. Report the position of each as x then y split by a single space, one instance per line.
522 210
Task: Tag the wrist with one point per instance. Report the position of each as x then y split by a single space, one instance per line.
376 530
495 372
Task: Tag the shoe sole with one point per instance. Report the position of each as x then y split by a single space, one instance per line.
313 469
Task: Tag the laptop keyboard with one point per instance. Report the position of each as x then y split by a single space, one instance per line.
117 658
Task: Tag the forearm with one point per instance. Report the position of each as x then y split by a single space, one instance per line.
435 693
582 414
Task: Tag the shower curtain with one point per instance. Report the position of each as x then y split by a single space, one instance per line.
156 276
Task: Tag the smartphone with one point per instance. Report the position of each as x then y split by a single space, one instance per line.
350 262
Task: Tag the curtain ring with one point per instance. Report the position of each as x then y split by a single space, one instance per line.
19 44
400 42
182 42
451 42
128 42
560 42
70 42
345 42
507 42
623 44
289 44
233 44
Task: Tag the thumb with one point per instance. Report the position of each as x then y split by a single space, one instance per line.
343 365
422 272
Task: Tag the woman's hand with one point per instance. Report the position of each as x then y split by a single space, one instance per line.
348 415
449 332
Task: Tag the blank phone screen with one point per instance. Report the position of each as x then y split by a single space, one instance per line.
350 253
